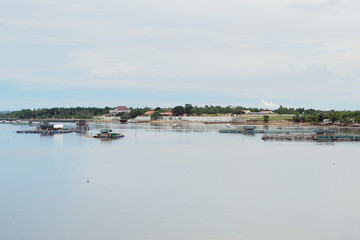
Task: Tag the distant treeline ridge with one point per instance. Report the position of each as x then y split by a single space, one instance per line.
300 114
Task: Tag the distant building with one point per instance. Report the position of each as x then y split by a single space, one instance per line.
262 112
166 114
246 111
119 109
337 122
266 112
326 121
148 113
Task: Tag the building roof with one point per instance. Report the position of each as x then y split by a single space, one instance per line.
148 112
166 113
124 108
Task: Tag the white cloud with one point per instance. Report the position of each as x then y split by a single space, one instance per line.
225 47
269 105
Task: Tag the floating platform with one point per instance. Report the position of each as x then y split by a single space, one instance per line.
288 137
112 136
229 131
330 138
107 134
46 131
244 131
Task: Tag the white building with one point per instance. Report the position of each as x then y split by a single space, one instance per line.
119 109
246 111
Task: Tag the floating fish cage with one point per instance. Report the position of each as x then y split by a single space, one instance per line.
108 134
45 128
228 131
287 137
316 135
245 130
82 126
46 131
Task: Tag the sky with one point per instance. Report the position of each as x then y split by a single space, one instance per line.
255 53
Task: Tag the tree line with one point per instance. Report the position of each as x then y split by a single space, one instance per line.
317 116
300 114
41 113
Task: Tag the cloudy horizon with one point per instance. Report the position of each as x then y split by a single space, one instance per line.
159 53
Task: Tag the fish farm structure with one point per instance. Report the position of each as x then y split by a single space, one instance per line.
50 129
82 126
295 134
321 135
108 134
249 130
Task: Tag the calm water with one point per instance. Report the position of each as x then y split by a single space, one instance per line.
158 183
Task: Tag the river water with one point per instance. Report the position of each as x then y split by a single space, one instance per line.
187 183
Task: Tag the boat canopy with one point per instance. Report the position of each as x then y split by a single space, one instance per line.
105 130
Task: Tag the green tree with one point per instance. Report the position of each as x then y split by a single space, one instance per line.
178 110
137 112
125 117
188 108
155 115
297 117
266 118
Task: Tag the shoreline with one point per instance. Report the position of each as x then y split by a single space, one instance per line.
249 122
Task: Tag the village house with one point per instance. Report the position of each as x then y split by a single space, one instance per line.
166 114
326 121
266 112
119 109
148 113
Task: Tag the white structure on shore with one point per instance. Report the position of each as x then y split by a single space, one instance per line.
119 109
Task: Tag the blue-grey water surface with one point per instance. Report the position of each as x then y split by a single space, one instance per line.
161 183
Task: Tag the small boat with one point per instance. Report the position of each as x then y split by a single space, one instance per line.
108 134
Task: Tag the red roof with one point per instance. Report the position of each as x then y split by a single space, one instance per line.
166 114
148 112
123 108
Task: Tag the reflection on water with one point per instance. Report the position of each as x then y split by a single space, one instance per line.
188 182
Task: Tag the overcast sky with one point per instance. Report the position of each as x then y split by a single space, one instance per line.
257 53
